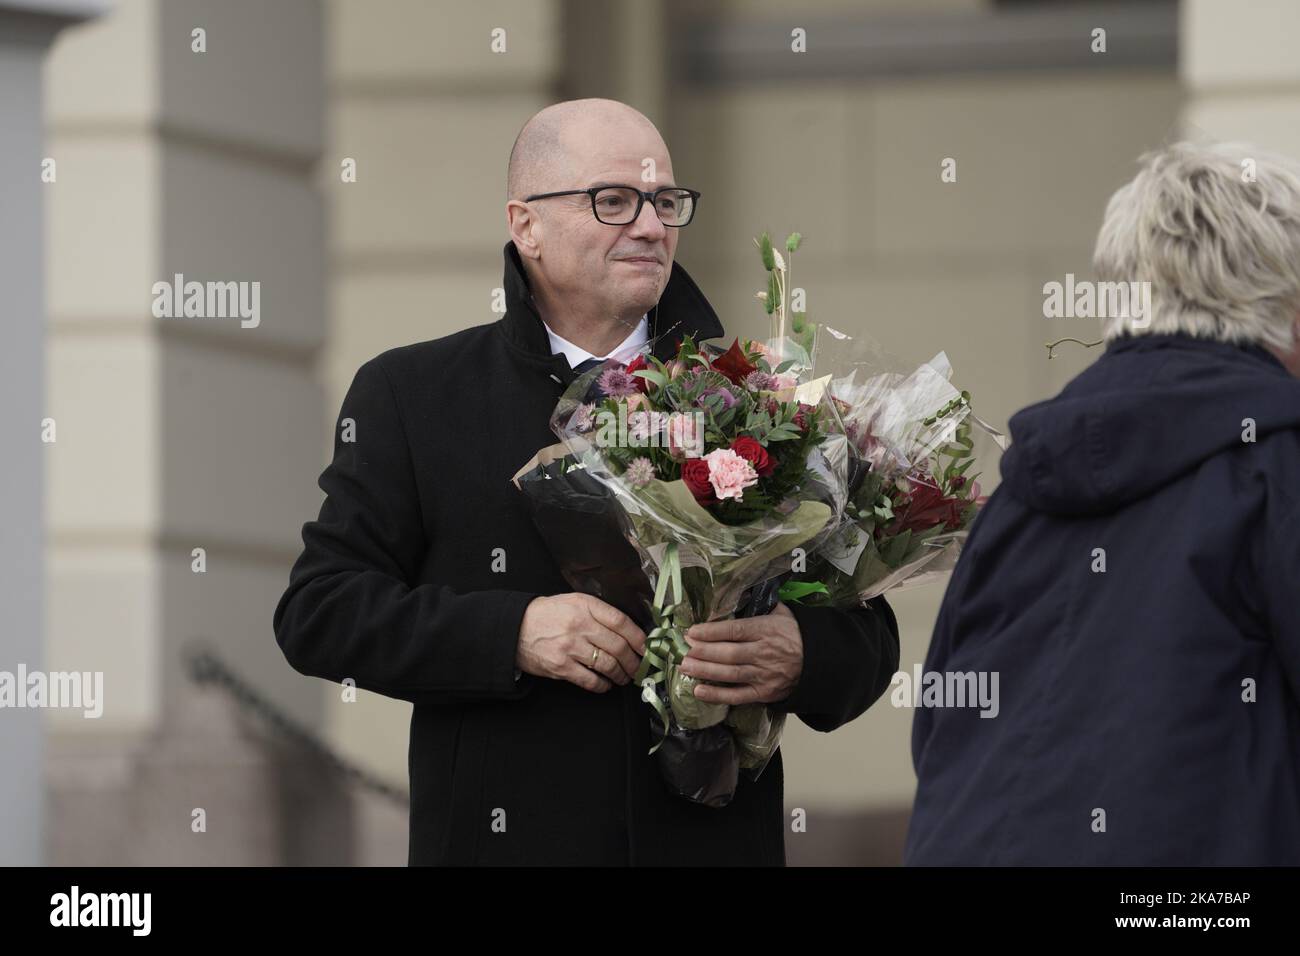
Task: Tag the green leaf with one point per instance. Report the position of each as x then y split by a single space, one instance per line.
798 590
659 378
893 550
784 366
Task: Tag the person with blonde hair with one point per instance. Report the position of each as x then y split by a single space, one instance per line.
1133 580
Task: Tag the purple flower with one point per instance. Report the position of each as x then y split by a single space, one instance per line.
639 472
761 381
617 383
728 399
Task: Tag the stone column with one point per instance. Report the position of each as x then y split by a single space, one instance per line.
186 135
26 30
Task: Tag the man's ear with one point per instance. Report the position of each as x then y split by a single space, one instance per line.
525 229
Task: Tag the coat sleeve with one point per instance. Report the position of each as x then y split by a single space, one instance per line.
352 609
848 660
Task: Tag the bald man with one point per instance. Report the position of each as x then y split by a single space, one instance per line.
424 578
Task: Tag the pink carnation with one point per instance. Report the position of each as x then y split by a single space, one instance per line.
729 474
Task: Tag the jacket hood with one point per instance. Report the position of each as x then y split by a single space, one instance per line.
1149 410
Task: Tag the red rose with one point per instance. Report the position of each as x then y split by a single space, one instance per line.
695 473
925 507
635 365
754 453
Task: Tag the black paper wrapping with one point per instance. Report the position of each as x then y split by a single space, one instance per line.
587 534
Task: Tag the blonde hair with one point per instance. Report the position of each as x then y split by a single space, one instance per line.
1215 229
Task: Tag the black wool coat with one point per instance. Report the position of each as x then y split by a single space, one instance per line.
396 589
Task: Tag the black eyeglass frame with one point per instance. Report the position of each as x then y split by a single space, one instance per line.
641 197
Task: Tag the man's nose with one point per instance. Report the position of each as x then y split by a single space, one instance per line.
648 223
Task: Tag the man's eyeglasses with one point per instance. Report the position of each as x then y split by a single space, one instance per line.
620 205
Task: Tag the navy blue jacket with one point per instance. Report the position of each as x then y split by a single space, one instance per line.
1156 698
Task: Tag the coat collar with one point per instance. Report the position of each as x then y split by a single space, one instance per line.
1145 341
682 310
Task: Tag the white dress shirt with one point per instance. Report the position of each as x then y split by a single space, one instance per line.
624 352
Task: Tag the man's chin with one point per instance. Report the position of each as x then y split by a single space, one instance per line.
642 297
638 308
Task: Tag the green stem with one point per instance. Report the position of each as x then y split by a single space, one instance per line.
665 645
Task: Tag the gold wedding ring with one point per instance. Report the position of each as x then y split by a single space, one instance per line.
595 653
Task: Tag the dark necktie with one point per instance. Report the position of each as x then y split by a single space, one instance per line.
589 363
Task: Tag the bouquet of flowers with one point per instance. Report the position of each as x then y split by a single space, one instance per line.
711 467
912 496
682 490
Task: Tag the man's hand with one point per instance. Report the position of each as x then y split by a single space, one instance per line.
762 656
579 638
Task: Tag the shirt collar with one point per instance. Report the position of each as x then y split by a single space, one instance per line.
682 310
576 354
